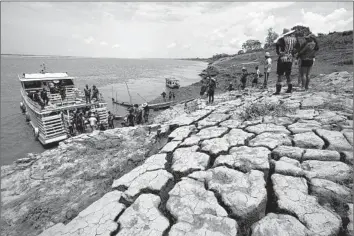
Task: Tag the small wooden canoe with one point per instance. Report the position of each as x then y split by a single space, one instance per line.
155 106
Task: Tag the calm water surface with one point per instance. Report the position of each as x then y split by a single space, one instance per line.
145 77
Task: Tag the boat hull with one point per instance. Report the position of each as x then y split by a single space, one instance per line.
172 86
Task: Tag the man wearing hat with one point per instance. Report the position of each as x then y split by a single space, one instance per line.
285 50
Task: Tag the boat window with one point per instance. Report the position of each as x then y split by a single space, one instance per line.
32 84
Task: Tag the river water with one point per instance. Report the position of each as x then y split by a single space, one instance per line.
145 78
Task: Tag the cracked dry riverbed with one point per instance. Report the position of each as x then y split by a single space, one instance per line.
219 175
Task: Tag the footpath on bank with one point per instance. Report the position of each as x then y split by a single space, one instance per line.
249 164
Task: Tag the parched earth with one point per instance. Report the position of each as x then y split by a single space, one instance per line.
54 186
220 175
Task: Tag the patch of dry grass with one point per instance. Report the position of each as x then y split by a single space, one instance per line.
257 110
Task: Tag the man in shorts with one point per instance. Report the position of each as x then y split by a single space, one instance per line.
285 50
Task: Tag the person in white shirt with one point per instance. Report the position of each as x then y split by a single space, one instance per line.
267 68
93 122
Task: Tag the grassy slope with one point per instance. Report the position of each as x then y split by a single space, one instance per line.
335 51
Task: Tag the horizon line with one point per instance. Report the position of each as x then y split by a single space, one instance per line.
34 55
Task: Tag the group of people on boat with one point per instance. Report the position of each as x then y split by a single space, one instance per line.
91 94
41 96
289 49
137 115
86 120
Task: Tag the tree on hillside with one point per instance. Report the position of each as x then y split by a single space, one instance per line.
251 44
301 31
271 36
240 52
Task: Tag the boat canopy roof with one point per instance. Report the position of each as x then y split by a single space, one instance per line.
44 76
172 79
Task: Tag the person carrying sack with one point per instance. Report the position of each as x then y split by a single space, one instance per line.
285 50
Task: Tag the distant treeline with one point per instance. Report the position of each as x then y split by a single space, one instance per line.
332 39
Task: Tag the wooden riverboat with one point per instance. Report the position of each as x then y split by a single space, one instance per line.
50 123
172 83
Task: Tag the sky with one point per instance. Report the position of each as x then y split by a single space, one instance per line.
157 29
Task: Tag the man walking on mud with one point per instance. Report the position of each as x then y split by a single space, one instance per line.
285 50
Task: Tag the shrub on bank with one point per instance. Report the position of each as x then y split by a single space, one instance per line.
257 110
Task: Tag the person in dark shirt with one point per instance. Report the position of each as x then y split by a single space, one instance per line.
211 90
94 93
256 76
307 55
62 91
164 95
110 120
87 91
131 118
170 95
37 98
285 49
173 95
44 96
244 78
230 88
146 112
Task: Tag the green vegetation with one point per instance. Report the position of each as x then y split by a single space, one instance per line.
257 110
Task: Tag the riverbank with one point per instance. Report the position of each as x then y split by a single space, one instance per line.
53 187
301 141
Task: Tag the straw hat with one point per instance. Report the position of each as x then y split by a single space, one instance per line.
267 54
144 104
244 68
285 32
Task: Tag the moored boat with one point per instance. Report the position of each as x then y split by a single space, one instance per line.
172 83
50 122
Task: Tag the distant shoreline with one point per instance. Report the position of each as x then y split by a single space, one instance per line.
30 55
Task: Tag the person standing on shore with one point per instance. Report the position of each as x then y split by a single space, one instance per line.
87 92
131 117
110 120
256 77
170 95
163 94
307 55
244 78
146 112
138 115
204 87
173 95
230 88
267 68
211 90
